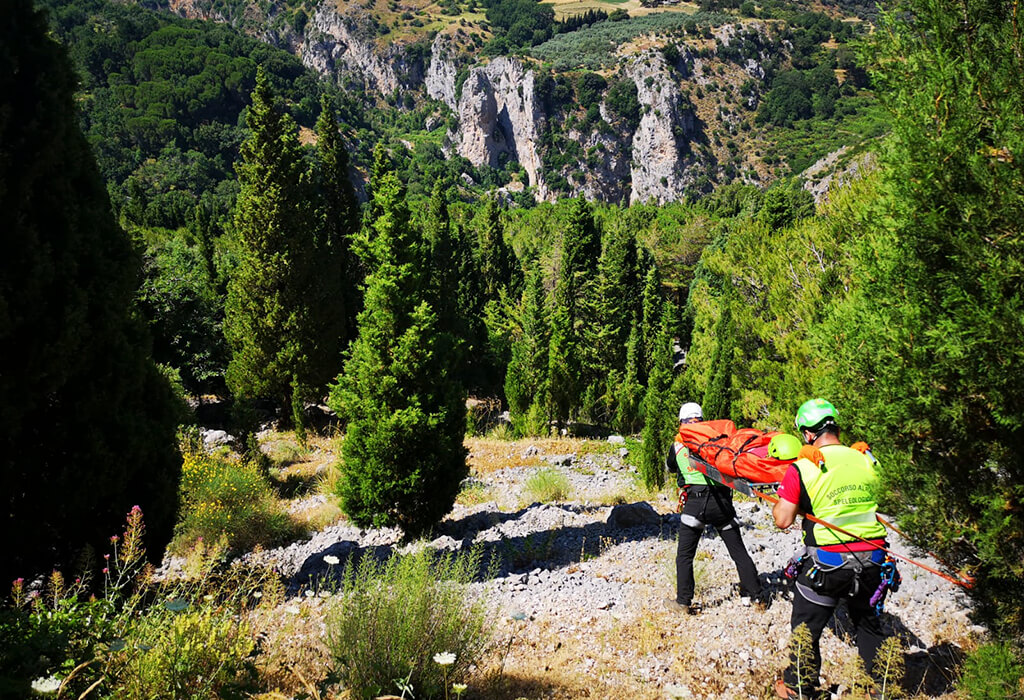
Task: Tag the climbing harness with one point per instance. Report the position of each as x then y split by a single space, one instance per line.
743 486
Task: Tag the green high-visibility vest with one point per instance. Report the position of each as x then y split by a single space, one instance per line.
690 475
842 493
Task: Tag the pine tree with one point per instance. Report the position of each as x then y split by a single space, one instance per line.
926 350
88 421
403 405
284 322
659 408
526 379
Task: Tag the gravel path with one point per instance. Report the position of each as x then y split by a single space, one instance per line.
580 586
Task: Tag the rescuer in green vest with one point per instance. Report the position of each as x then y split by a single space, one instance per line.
706 503
840 491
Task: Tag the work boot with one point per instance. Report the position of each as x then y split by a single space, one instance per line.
675 606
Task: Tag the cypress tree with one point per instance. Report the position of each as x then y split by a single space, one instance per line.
659 407
284 322
650 319
581 248
88 421
718 395
399 394
499 268
527 370
338 281
630 391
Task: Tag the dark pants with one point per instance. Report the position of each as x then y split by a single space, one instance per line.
836 585
702 504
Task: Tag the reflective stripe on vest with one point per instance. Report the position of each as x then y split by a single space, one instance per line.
841 494
690 475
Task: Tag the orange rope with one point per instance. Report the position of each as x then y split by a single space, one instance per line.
961 580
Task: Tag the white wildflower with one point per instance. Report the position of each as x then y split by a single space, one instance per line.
292 610
677 692
444 659
46 686
332 560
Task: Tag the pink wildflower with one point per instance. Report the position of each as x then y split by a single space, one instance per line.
106 570
113 539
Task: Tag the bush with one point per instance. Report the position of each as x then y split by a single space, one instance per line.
993 672
189 654
221 497
391 618
547 485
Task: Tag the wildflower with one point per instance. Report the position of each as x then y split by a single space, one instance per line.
459 688
106 569
309 594
444 659
292 610
257 594
46 686
331 559
113 539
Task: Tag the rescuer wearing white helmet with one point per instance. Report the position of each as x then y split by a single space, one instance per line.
704 503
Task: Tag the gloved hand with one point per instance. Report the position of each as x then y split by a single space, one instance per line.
861 447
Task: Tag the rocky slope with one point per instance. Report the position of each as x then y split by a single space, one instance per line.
579 589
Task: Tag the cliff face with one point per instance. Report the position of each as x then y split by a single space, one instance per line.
664 164
498 114
343 45
441 71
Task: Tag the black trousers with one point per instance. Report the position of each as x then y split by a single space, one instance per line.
803 674
703 505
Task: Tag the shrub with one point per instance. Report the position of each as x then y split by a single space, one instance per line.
223 497
547 485
993 672
390 619
188 654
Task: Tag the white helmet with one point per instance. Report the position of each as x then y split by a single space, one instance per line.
690 411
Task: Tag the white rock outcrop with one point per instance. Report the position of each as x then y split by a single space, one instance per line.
337 44
498 113
664 164
440 78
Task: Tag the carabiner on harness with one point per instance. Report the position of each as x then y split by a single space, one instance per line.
891 581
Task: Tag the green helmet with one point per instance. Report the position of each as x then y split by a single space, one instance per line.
812 414
784 446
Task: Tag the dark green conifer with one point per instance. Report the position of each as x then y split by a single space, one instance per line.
526 379
925 357
717 401
338 281
403 405
659 407
283 324
88 423
650 319
581 248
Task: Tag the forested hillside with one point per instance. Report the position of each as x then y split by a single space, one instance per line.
581 216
